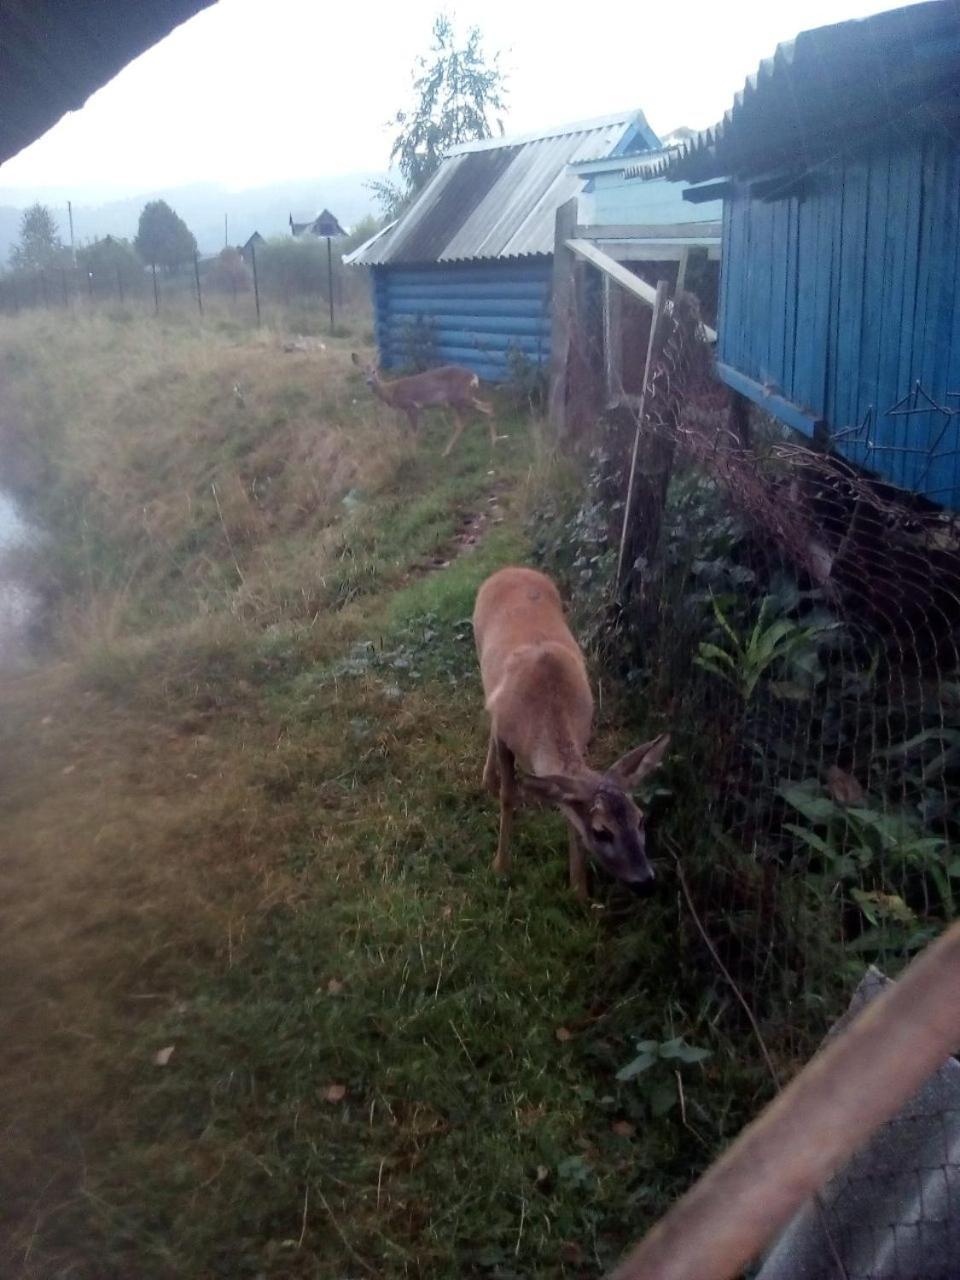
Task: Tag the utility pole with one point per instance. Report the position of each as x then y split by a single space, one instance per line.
73 252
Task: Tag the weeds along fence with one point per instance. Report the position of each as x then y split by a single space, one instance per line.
292 275
794 621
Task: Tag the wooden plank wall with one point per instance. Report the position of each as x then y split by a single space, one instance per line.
842 297
478 312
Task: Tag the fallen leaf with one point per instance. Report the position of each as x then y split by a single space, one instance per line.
163 1056
623 1128
68 769
47 720
563 1034
844 788
334 987
335 1093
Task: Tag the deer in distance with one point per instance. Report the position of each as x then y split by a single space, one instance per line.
538 696
450 386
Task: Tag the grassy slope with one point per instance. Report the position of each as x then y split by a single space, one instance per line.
242 817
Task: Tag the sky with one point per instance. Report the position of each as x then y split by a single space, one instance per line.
249 93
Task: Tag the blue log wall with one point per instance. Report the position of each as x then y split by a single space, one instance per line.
477 312
839 300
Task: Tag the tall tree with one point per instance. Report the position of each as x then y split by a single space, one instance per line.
459 92
39 246
163 237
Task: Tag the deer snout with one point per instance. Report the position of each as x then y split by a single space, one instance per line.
642 883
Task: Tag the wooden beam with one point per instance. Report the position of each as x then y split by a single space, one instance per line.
682 271
769 398
859 1080
633 284
645 250
712 191
650 231
563 305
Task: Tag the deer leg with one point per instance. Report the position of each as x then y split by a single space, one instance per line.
456 431
493 431
578 867
491 770
508 797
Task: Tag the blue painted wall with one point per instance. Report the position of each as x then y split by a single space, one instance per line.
842 297
478 311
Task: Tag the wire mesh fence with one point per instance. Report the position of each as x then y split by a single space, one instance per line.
288 274
794 620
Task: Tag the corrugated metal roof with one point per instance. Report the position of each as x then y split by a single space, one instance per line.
897 70
498 198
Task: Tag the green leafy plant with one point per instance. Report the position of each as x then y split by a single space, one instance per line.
862 845
782 641
655 1067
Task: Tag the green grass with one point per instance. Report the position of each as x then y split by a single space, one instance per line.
244 819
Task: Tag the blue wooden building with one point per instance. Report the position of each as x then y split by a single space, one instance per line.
471 259
839 170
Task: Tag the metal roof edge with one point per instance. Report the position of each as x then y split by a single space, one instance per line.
631 118
348 259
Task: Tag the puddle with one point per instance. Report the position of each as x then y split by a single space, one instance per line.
16 603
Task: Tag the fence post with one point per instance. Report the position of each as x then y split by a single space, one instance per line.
330 280
119 286
256 283
90 285
156 291
63 286
631 482
563 305
196 276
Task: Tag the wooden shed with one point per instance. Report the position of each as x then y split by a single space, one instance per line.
469 263
839 170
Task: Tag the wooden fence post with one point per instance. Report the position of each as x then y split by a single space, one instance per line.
563 308
631 482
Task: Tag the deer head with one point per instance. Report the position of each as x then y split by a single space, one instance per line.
370 373
603 813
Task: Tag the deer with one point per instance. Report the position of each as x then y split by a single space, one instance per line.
538 697
450 385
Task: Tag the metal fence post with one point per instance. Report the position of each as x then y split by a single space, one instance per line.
196 276
256 282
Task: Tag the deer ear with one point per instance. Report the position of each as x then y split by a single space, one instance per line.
631 769
553 789
355 358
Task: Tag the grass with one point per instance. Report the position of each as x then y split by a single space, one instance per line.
243 820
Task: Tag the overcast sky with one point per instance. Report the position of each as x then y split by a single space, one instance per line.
251 92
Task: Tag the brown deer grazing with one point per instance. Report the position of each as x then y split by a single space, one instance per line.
541 714
450 385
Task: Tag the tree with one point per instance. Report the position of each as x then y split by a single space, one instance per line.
457 90
163 238
228 273
39 247
111 261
